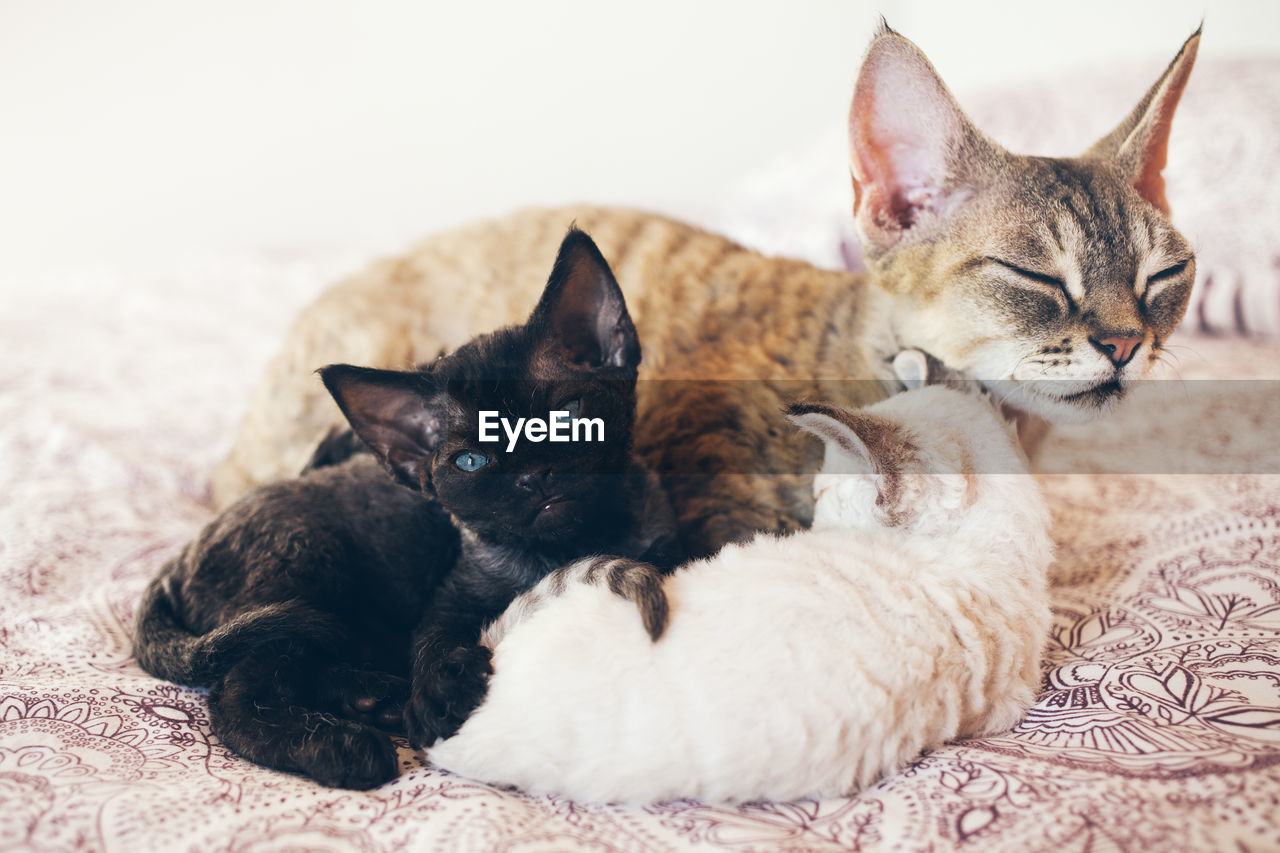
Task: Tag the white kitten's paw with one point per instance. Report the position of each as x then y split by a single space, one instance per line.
917 368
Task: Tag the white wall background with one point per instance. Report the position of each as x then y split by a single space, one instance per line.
136 133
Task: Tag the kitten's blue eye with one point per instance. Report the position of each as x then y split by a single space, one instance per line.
573 407
471 461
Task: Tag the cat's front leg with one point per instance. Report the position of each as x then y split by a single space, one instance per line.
450 680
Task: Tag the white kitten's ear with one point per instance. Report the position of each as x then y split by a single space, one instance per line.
1140 144
838 427
907 139
398 414
582 314
911 366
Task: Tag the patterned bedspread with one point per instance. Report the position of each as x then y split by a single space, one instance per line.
1158 727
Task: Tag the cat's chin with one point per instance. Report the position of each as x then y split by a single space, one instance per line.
1076 407
558 508
558 517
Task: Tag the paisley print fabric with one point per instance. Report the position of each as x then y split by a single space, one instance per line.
1157 728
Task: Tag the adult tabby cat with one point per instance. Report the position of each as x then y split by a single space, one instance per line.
1060 278
913 612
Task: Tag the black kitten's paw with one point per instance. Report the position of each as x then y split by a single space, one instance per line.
445 694
349 755
369 696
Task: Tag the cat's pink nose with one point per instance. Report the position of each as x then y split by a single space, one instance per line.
1118 348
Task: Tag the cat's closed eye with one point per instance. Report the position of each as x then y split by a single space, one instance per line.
470 461
1168 274
1030 275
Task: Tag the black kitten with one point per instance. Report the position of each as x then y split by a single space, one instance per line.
309 604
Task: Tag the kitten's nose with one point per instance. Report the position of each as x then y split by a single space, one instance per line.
534 481
1118 348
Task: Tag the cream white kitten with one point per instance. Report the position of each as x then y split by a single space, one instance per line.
913 612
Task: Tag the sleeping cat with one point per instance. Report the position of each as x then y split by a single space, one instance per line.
913 612
1059 278
307 604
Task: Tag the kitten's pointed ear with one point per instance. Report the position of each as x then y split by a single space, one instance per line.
907 141
839 428
1140 144
398 414
582 313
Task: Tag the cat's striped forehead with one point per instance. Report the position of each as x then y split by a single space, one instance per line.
1088 225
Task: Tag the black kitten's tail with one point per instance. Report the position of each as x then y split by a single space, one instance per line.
338 445
166 648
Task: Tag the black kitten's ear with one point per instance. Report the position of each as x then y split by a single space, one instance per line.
1140 144
582 313
399 414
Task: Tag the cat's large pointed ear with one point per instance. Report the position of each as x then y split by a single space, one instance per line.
844 429
1140 144
398 414
582 315
908 140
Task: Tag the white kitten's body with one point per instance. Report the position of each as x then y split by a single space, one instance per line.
808 665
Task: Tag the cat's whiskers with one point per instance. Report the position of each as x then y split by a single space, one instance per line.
1170 350
1003 396
1183 384
1011 385
1170 359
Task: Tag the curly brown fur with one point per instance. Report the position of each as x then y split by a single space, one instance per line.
1056 279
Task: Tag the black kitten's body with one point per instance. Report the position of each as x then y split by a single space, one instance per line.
315 607
296 606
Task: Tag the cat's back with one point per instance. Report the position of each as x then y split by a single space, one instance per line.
320 537
792 666
782 658
460 283
705 308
